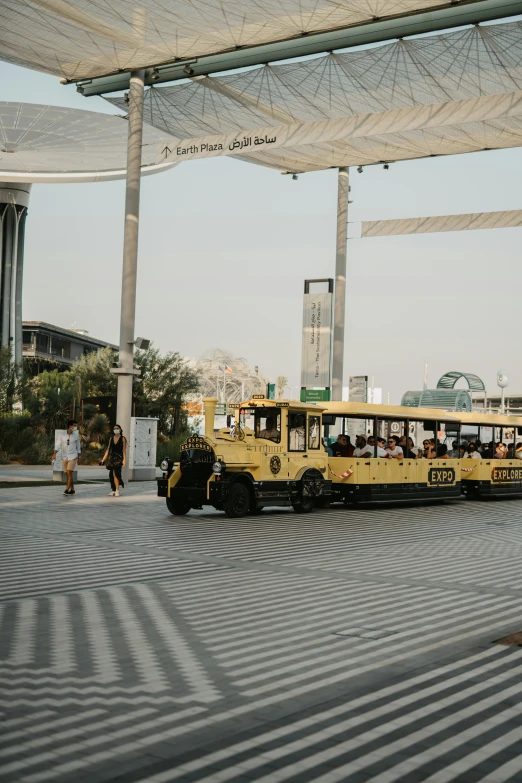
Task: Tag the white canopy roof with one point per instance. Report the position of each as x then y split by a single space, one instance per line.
54 144
79 39
438 95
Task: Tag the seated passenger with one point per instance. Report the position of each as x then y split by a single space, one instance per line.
500 452
518 451
510 454
460 452
394 451
472 452
429 449
270 432
412 448
454 453
381 447
442 451
409 450
297 434
343 447
362 449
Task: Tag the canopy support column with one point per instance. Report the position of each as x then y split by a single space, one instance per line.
340 283
126 371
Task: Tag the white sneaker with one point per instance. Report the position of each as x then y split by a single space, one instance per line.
116 494
111 494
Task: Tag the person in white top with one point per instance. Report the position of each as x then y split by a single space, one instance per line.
69 450
472 452
381 443
394 451
362 449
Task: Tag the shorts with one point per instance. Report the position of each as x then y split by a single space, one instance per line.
68 464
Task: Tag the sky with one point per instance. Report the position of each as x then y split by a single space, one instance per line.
225 247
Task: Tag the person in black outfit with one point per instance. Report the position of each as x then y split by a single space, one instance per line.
343 447
116 457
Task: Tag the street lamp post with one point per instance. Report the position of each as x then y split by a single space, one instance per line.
502 383
126 371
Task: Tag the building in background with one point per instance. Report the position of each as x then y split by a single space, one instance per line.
49 347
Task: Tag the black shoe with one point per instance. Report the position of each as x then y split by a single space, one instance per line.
72 492
67 492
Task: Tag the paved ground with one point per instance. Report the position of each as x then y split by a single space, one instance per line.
26 473
341 647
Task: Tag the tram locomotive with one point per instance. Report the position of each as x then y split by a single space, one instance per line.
273 457
277 455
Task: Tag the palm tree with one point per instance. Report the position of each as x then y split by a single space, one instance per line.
97 428
281 384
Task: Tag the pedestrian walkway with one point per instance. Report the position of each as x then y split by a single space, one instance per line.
339 646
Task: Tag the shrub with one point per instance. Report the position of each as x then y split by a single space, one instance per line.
38 452
90 457
169 449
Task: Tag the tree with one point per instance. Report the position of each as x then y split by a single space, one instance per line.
165 384
91 375
10 385
281 384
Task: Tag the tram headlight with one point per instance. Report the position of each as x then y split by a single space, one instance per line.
164 465
218 467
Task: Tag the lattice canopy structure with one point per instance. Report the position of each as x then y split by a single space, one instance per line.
438 95
79 39
449 380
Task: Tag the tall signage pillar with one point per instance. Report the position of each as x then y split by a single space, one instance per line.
340 282
316 357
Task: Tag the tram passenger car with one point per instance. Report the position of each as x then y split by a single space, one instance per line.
381 479
489 477
278 460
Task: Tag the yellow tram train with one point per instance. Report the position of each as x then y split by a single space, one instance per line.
283 453
488 476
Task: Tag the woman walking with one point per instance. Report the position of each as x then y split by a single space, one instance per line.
116 456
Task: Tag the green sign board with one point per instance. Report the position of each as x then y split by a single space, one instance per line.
315 395
270 391
221 409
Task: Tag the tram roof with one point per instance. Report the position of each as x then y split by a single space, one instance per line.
490 419
263 402
402 412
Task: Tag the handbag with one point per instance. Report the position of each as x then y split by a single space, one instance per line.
113 460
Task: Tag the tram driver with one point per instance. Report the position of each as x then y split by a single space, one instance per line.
270 432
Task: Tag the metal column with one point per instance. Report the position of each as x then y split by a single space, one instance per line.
14 200
340 283
126 371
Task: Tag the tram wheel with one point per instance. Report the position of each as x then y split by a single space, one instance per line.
177 507
303 505
238 502
311 492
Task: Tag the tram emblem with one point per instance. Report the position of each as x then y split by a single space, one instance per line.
275 465
195 442
439 476
499 475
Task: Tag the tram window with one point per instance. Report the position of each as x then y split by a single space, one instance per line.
296 431
314 432
268 424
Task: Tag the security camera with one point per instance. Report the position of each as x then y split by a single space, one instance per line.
142 343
